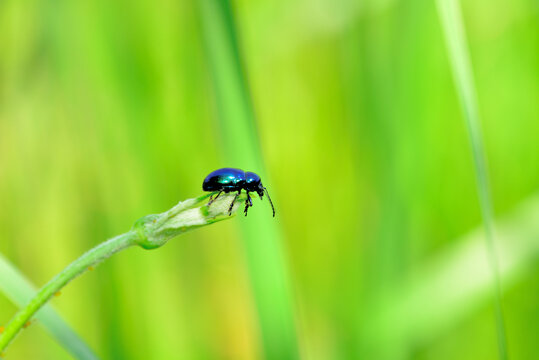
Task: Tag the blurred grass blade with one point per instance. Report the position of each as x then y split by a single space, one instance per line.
455 38
19 290
261 235
422 307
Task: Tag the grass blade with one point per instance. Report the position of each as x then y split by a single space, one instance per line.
455 39
261 235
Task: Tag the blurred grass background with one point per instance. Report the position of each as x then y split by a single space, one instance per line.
109 111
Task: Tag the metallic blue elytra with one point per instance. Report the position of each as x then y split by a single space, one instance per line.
229 180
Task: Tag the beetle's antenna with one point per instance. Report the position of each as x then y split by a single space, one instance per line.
271 203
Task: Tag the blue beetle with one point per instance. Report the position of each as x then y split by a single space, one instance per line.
229 179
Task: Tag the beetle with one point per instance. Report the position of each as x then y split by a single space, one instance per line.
229 180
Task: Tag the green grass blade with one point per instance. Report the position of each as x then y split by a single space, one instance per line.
19 290
261 235
455 38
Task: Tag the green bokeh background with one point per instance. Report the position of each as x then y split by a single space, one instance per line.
108 112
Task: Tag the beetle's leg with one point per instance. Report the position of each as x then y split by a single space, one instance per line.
248 203
215 198
232 203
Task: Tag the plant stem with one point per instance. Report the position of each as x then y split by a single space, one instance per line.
149 232
76 268
17 288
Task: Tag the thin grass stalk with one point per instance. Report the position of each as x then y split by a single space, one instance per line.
455 39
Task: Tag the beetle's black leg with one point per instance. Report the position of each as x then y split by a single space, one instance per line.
232 203
215 198
248 203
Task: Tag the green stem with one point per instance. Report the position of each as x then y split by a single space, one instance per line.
17 288
149 232
76 268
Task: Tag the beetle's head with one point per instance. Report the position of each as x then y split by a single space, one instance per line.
252 182
260 190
